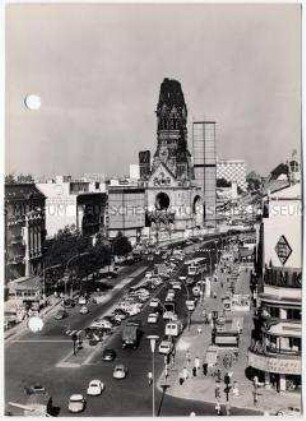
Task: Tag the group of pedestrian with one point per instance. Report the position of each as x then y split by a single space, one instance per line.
184 375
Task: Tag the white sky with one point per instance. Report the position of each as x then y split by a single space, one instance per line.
98 69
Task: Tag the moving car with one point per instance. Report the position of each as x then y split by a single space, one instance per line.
69 302
95 388
153 318
154 303
165 347
190 304
84 310
60 315
109 354
82 301
36 389
176 286
76 403
120 372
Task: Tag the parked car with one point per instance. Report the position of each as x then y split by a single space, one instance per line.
84 310
61 314
101 323
165 347
109 354
120 313
95 388
153 318
120 372
76 403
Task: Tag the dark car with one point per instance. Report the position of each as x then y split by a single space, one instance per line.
36 389
61 314
69 302
109 355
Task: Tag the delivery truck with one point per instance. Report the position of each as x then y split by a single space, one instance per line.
131 335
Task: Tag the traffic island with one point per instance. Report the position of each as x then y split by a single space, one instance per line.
81 356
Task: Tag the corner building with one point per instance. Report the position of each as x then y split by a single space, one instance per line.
275 351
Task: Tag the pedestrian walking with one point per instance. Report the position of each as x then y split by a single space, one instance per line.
227 408
150 378
199 330
235 389
219 375
217 390
197 363
194 372
185 373
205 367
181 380
218 408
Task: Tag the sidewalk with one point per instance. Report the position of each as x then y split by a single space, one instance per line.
202 388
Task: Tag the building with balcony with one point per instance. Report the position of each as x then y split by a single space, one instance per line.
275 352
24 229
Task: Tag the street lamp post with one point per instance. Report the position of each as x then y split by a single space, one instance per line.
153 339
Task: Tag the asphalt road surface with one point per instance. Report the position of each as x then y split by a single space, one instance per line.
33 358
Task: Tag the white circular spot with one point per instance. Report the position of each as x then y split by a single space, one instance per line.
35 324
32 102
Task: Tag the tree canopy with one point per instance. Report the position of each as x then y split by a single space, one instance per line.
121 245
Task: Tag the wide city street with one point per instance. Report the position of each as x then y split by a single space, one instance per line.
45 357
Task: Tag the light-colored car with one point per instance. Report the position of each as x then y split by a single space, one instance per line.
84 310
177 286
165 347
76 403
134 309
102 323
120 372
82 301
182 278
154 303
153 318
95 388
149 275
190 304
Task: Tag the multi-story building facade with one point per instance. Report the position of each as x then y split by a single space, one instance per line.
233 170
77 203
125 210
204 156
275 352
24 229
